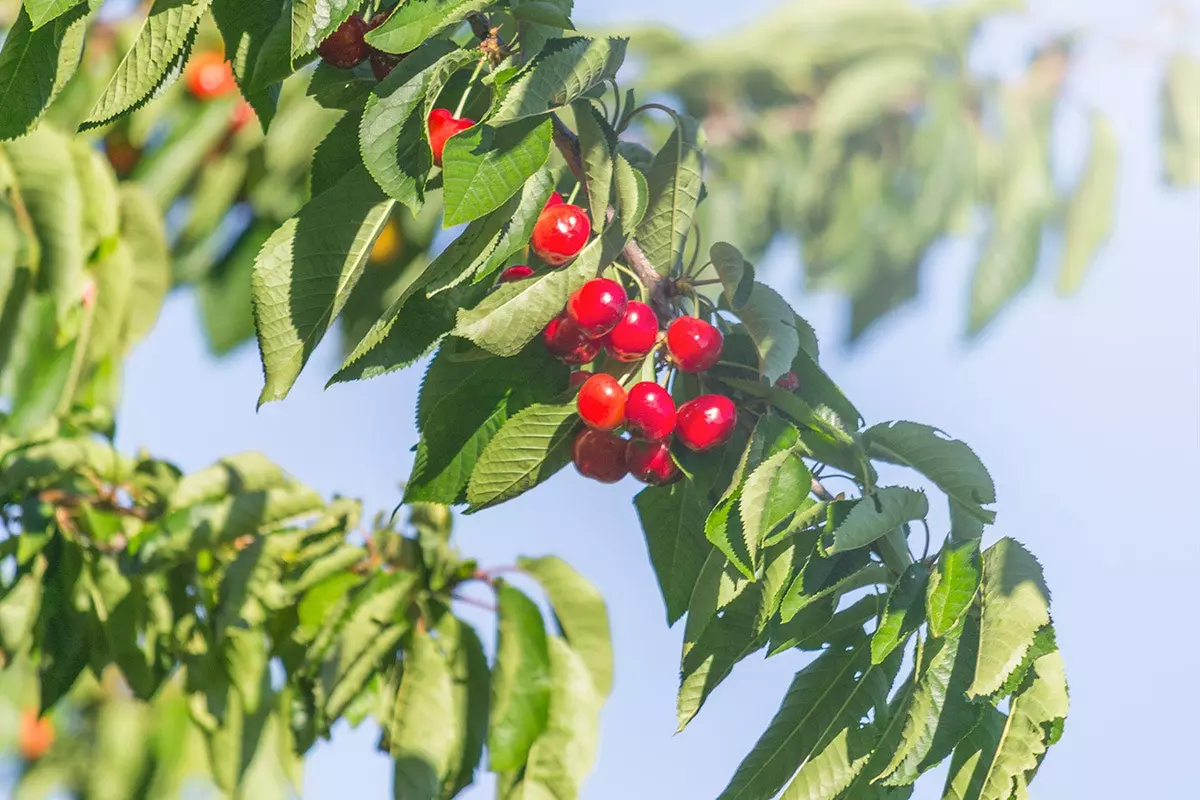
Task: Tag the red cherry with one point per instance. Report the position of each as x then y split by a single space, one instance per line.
560 233
345 48
243 115
597 306
209 75
515 273
706 422
442 125
601 402
634 336
649 411
555 200
788 381
651 462
382 63
599 455
694 344
567 343
578 378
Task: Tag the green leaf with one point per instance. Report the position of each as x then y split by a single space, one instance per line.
515 313
154 61
772 324
820 391
973 757
543 13
953 586
521 681
903 614
633 194
484 166
143 233
35 65
422 753
245 28
597 143
1091 208
876 514
674 179
243 472
772 493
20 607
825 774
445 481
314 20
561 757
561 74
672 519
1016 603
43 11
392 134
816 625
1180 122
733 272
305 271
472 678
581 613
515 235
949 463
528 450
416 21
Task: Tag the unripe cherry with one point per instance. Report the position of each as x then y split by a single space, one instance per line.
651 462
515 273
209 75
695 345
597 306
649 411
567 343
345 48
634 336
599 455
706 422
601 402
442 125
560 233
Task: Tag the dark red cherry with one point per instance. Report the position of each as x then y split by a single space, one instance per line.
515 273
560 233
578 378
634 336
789 381
567 343
345 48
649 411
651 462
706 422
601 402
597 306
442 125
694 344
599 455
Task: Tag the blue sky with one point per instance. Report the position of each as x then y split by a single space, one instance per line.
1086 411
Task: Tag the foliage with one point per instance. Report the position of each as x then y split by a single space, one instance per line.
271 614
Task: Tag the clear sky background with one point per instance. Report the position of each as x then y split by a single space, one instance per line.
1086 411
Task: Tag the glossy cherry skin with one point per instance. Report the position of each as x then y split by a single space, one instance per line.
706 422
694 344
209 75
515 273
567 343
556 199
599 455
789 381
651 462
649 411
601 402
597 306
634 336
442 125
578 378
560 233
345 48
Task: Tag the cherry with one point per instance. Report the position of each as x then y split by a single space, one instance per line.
554 200
597 306
442 125
345 48
649 411
788 381
209 75
706 422
651 462
243 115
35 735
560 233
599 455
634 336
601 402
515 273
694 344
567 343
578 378
382 63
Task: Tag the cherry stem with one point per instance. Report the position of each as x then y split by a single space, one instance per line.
629 115
574 193
462 101
627 272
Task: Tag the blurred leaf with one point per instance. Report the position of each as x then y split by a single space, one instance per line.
1091 208
563 755
421 751
1181 121
471 677
35 65
142 231
520 681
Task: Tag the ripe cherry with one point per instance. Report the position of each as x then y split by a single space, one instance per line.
567 343
515 273
789 381
634 336
694 344
554 200
651 462
649 411
578 378
35 735
345 48
442 125
601 402
243 115
599 455
597 306
209 75
560 233
706 422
